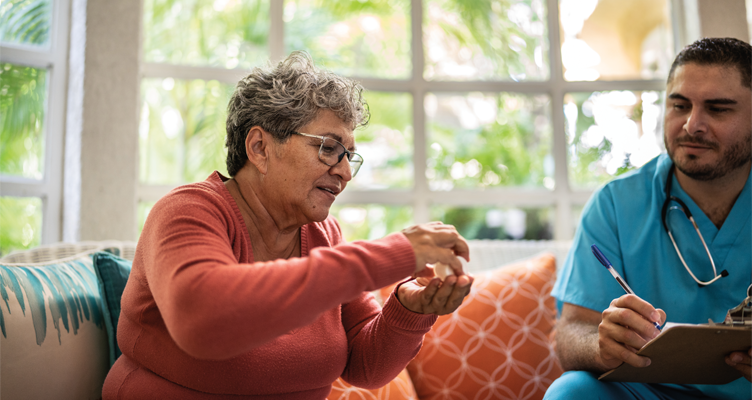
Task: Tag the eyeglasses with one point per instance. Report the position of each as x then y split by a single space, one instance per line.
331 152
667 207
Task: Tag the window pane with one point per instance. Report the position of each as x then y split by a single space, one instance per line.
371 221
220 33
20 223
386 143
353 38
609 133
478 140
613 40
576 216
497 223
23 94
496 40
144 207
25 22
182 130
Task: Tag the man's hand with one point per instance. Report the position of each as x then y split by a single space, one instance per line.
741 361
432 296
627 325
435 242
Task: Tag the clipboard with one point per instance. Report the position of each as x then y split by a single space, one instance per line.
688 354
693 354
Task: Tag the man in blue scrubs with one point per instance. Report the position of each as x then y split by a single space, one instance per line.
708 137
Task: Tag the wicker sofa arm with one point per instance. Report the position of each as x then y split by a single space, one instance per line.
63 251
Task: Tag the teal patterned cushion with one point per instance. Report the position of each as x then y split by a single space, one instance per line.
53 343
112 273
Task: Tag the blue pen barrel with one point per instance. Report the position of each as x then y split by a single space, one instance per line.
603 260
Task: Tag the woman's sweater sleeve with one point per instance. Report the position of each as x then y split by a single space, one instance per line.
216 308
381 342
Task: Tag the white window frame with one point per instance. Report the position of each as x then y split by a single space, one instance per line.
562 198
54 60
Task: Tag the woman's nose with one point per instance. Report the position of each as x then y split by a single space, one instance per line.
343 169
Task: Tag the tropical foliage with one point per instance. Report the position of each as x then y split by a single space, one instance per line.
182 130
23 92
485 39
22 99
25 22
221 33
484 140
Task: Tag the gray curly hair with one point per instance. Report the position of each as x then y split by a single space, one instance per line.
283 98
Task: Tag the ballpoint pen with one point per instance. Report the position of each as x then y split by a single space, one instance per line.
602 258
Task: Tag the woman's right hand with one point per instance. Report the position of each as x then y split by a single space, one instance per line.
436 242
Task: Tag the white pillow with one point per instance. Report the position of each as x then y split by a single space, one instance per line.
53 343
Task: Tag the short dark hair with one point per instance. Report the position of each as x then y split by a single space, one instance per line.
728 52
282 98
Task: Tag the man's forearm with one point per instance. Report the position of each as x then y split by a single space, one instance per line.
577 346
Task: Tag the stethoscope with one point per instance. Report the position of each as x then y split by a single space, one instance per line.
664 213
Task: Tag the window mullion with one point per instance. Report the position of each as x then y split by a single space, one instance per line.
276 30
189 72
21 55
561 193
420 189
54 124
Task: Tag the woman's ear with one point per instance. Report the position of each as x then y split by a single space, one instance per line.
257 148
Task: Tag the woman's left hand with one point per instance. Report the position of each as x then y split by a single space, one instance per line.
432 296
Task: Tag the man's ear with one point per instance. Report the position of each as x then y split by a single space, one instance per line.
258 147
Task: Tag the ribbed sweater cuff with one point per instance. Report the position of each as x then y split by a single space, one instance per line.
396 259
400 317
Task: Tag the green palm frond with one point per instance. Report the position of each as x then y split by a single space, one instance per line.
25 21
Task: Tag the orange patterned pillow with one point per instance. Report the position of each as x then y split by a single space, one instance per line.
499 343
398 389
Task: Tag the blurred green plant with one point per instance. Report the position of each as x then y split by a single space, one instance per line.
497 223
20 223
501 39
221 33
371 221
25 22
354 38
23 92
182 131
511 150
386 143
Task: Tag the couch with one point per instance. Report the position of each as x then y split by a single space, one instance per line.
60 305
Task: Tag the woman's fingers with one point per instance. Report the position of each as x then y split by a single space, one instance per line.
431 296
450 295
435 242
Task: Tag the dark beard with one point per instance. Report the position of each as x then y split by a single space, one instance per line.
734 157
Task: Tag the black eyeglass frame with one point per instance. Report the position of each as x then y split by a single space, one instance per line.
354 166
664 213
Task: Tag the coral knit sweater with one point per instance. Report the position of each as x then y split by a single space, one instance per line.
201 320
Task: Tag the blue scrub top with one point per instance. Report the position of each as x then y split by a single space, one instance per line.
624 219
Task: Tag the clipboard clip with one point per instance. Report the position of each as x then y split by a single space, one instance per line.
740 315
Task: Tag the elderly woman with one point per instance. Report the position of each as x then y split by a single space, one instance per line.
245 288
